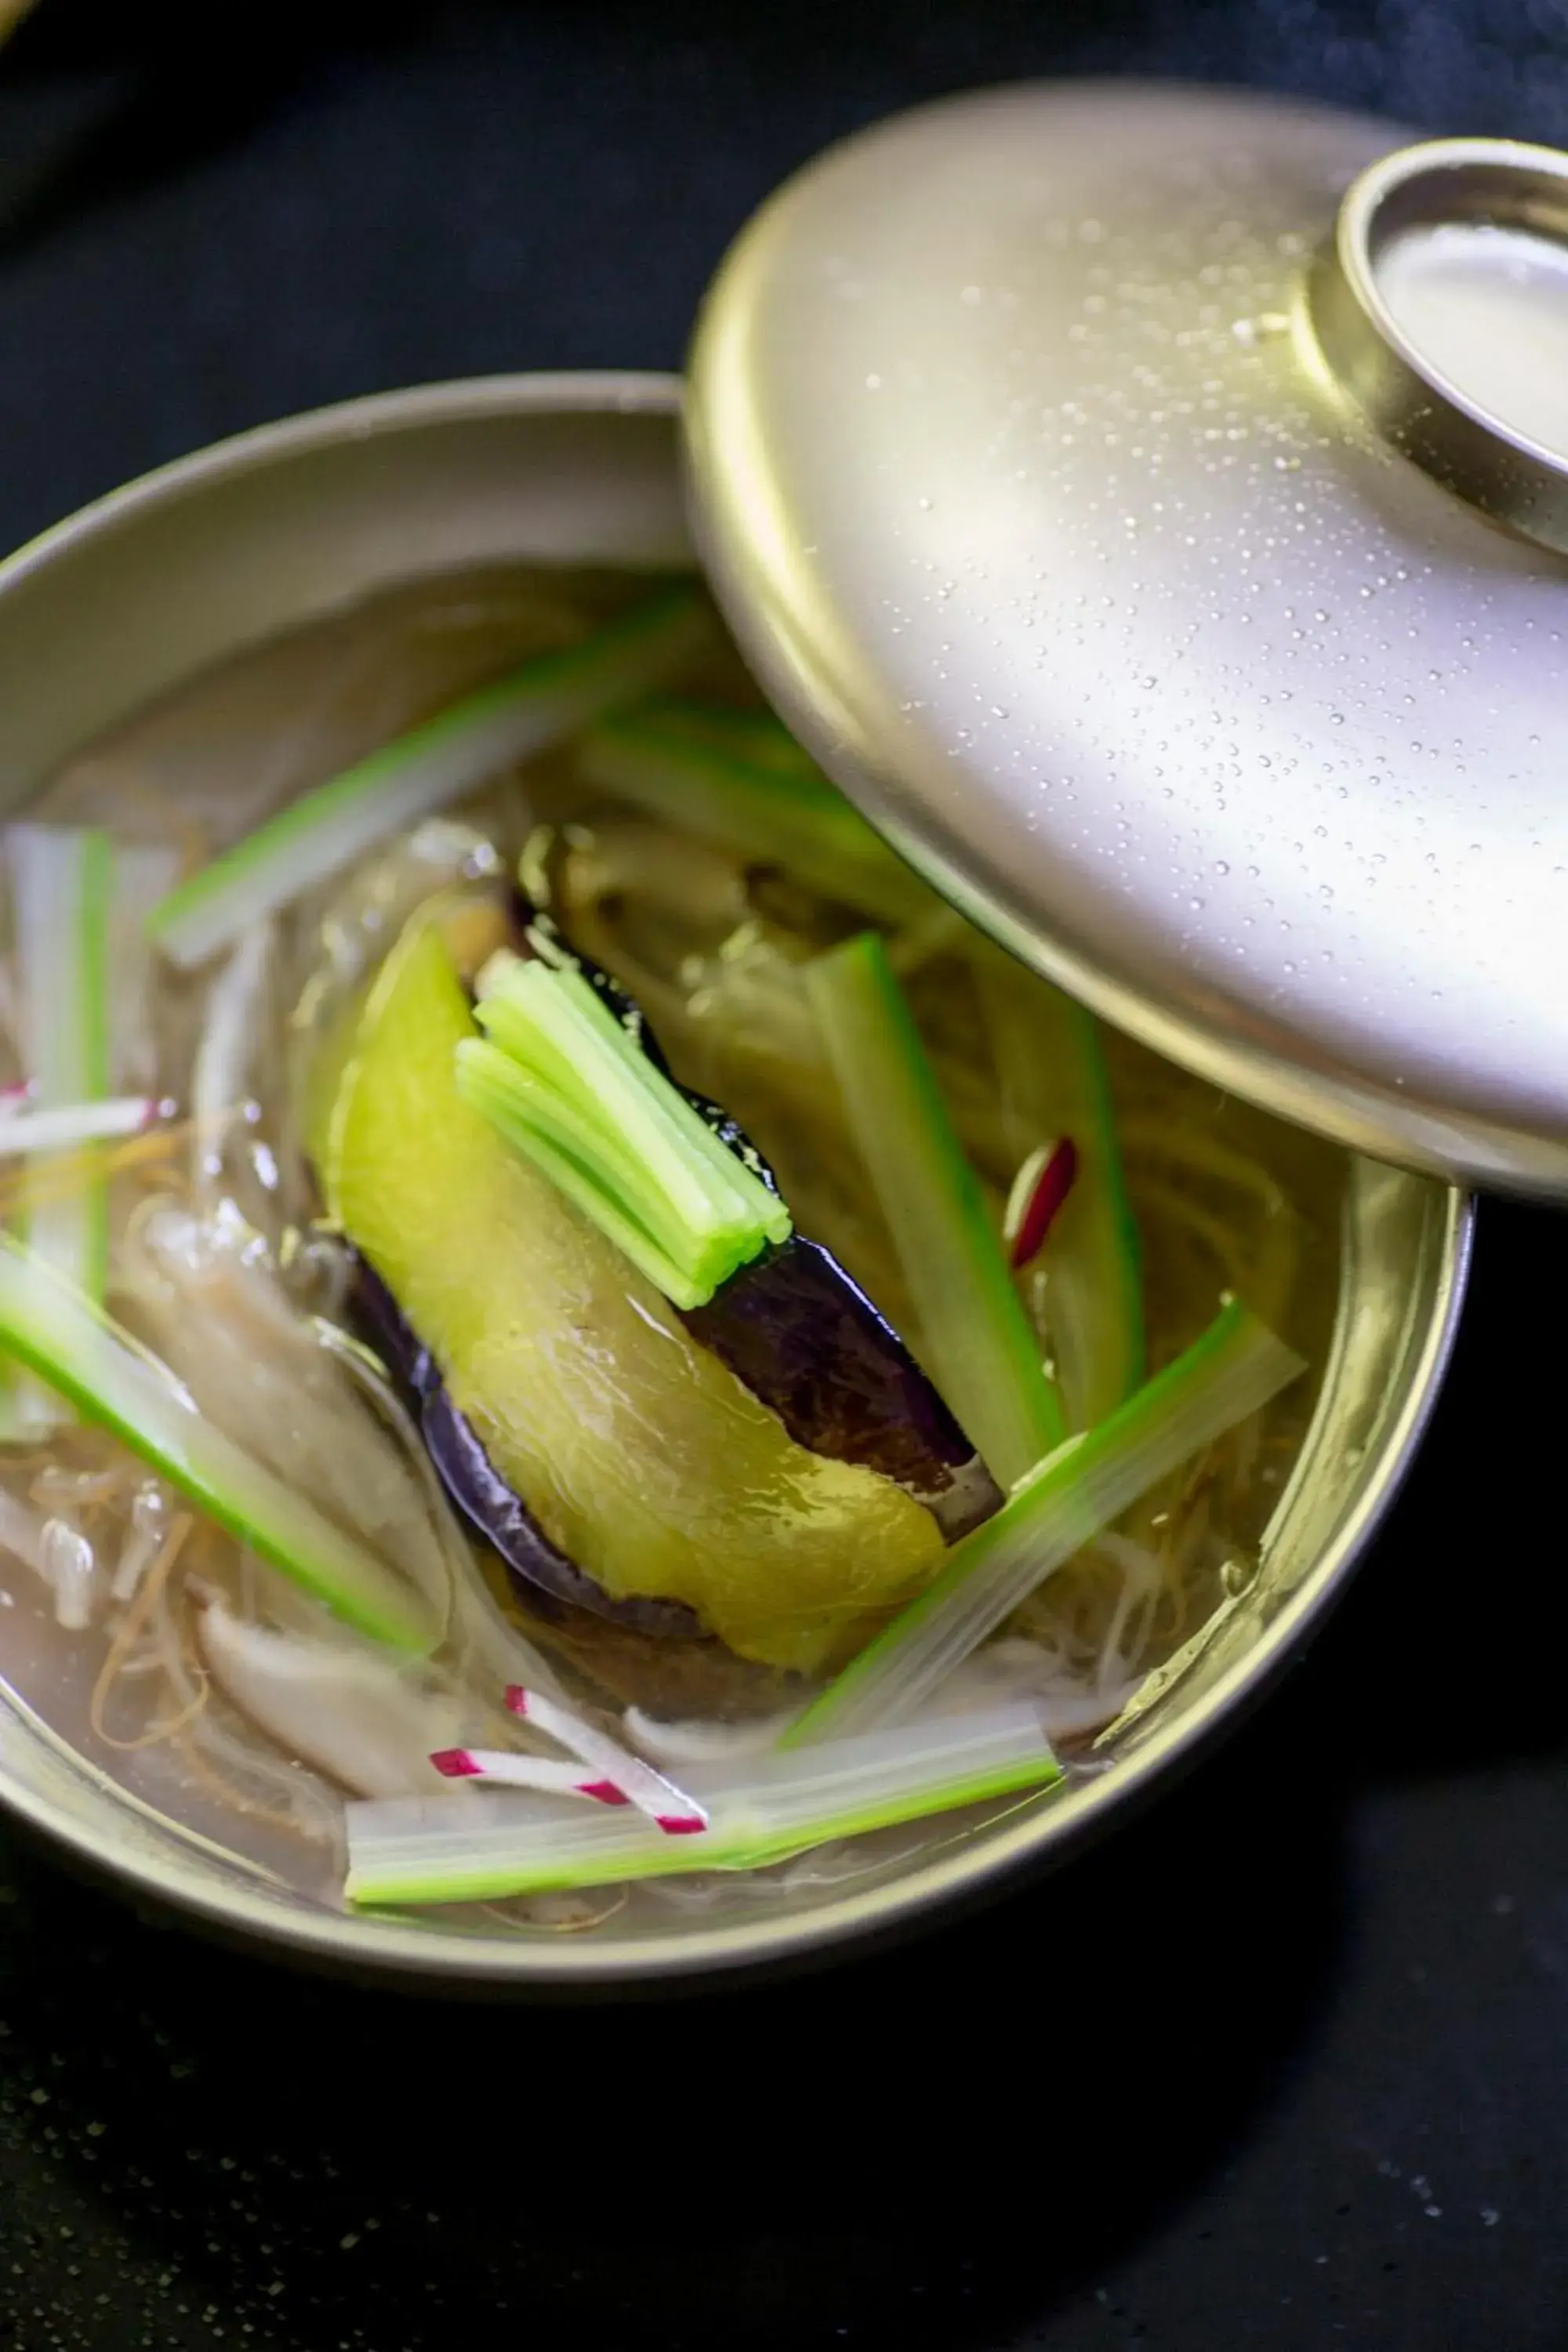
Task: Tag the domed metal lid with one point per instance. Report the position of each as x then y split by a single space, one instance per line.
1151 505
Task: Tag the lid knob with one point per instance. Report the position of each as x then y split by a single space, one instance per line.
1441 306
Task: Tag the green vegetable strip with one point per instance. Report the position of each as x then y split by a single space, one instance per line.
559 1078
1232 1370
728 775
977 1343
753 736
1053 1082
539 703
62 882
760 1810
58 1332
544 1130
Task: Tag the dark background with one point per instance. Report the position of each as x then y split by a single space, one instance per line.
1285 2066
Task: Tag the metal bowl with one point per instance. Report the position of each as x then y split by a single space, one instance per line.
287 524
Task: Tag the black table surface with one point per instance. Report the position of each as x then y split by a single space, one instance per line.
1287 2063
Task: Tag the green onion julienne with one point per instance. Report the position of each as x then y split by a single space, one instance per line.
59 1333
560 1080
760 1810
542 701
977 1341
1232 1370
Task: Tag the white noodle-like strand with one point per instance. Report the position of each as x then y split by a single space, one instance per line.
69 1125
70 1567
224 1053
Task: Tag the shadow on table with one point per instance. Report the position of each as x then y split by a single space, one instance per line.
932 2145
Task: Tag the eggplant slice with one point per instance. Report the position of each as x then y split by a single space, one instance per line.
792 1327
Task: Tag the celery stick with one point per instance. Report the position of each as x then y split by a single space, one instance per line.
563 1083
730 776
759 1809
978 1346
1232 1370
57 1332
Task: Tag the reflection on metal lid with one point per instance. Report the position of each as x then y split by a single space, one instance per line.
1069 481
1487 306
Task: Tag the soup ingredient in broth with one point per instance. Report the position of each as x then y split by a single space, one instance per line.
631 1378
1053 1092
738 778
558 1076
1222 1377
759 1809
985 1357
53 1327
640 1455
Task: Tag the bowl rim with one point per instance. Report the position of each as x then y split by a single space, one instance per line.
378 1946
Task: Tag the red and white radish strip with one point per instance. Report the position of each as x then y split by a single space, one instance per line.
550 1775
70 1125
762 1810
337 1704
539 704
1039 1189
13 1097
677 1814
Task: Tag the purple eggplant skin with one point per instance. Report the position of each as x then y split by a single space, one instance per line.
807 1342
496 1512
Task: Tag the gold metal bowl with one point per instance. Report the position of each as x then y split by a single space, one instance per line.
286 525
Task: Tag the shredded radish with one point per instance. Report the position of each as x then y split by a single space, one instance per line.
676 1814
1039 1189
546 1773
64 1127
